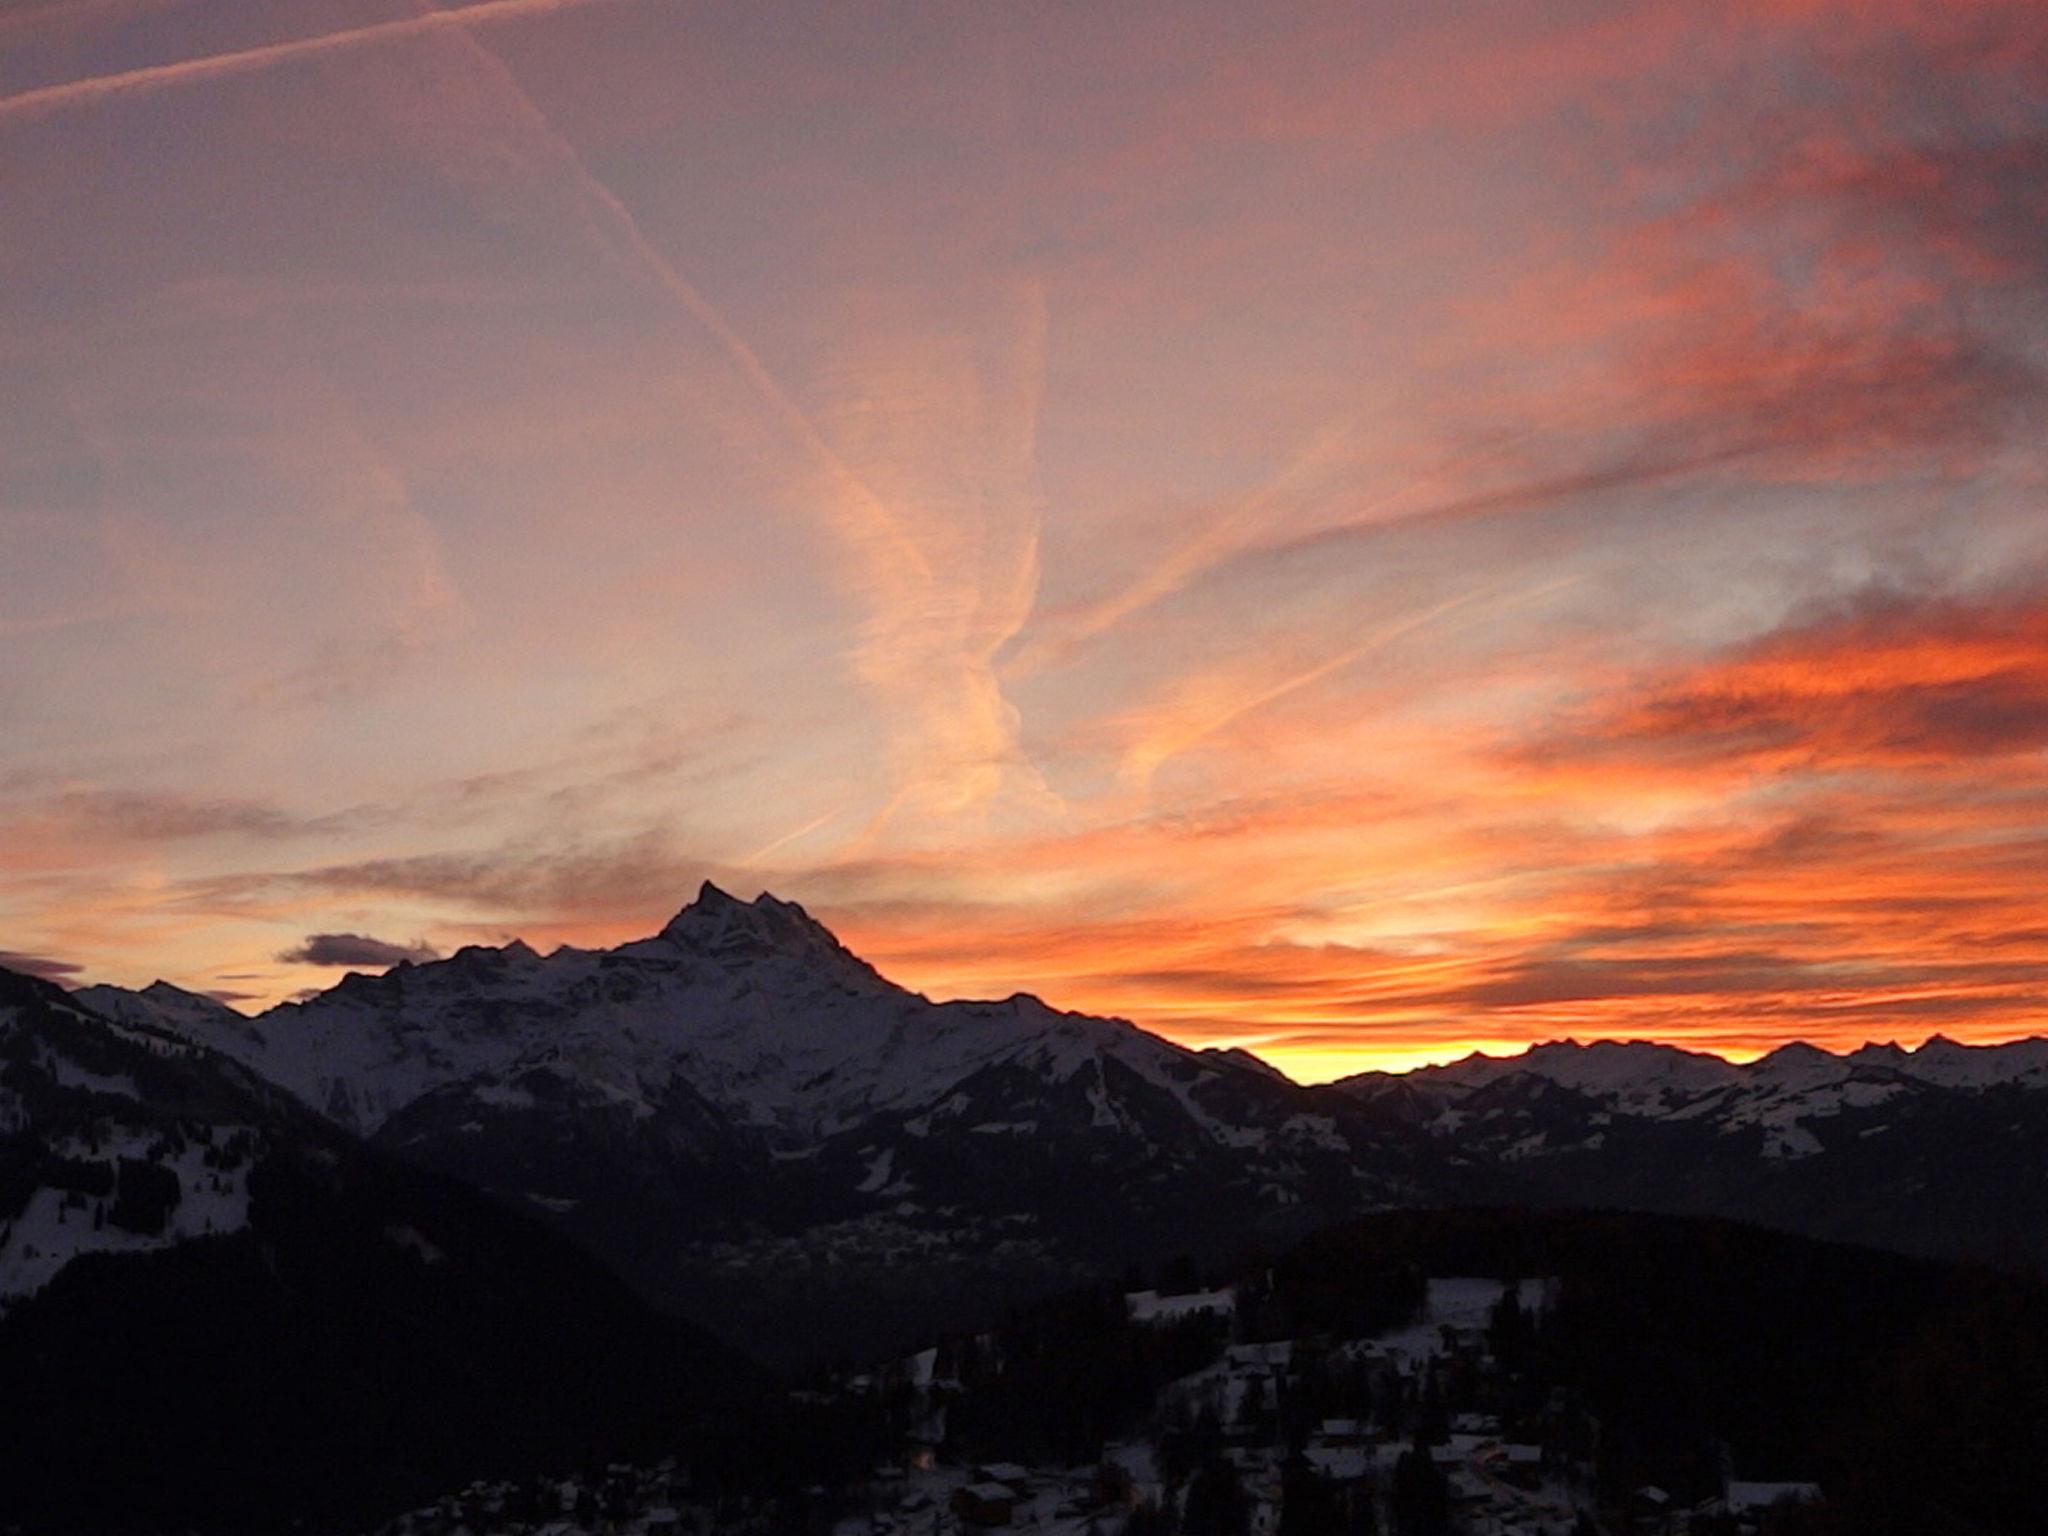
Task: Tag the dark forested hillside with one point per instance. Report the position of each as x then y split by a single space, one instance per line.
1916 1392
1675 1352
355 1334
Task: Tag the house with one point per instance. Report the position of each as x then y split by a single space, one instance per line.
1650 1509
1274 1355
1468 1487
1521 1465
1340 1463
1134 1460
985 1504
1151 1307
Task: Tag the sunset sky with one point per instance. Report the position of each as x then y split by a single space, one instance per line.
1355 530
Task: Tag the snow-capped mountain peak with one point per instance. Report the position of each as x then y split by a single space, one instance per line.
1797 1064
1629 1070
720 927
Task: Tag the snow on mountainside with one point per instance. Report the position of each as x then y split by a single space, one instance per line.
1778 1095
1936 1150
1631 1072
1785 1101
754 1005
161 1005
1642 1071
114 1138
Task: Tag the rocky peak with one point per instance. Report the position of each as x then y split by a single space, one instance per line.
1795 1058
720 926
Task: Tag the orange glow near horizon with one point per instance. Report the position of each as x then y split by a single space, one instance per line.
1362 535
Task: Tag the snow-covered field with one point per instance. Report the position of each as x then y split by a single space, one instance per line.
50 1233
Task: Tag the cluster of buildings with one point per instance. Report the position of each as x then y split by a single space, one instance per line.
1430 1393
1414 1432
622 1500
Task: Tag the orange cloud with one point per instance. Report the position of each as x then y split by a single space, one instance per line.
1940 685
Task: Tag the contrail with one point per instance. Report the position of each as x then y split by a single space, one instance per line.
1144 760
46 100
791 836
872 518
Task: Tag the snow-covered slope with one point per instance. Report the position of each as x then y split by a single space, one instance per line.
1943 1149
1633 1072
754 1005
1793 1084
118 1139
1644 1073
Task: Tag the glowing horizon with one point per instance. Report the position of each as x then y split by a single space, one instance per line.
1368 533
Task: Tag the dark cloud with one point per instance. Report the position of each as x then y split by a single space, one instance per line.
355 949
230 998
38 965
1204 980
1758 982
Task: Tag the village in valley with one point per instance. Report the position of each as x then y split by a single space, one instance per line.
1424 1428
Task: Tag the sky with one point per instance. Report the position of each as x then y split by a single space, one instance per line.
1358 531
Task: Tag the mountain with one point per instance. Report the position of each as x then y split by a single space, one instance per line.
755 1127
1941 1150
220 1311
750 1123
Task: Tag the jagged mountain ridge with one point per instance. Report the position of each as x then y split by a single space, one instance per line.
755 1004
1779 1094
1941 1150
744 1118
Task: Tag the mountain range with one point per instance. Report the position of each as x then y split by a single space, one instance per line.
757 1130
